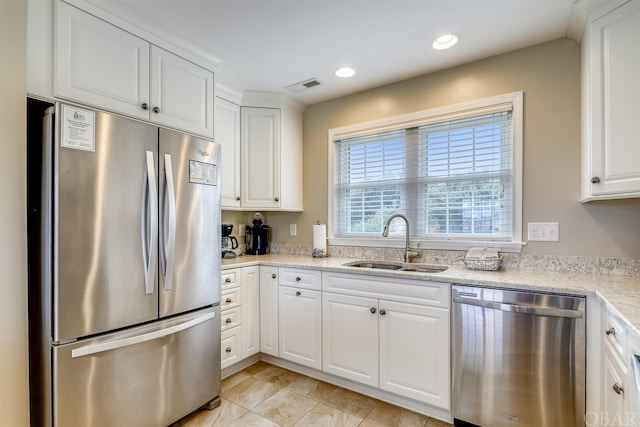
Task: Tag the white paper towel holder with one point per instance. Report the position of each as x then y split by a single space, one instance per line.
319 241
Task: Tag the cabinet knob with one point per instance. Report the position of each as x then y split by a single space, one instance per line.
228 320
227 280
238 198
144 106
228 350
273 276
382 312
277 199
611 331
618 388
156 110
298 293
372 309
298 279
228 300
595 180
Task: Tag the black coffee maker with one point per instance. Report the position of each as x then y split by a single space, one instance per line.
257 237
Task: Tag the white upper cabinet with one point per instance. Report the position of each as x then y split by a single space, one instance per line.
260 151
181 93
270 152
98 64
611 103
227 134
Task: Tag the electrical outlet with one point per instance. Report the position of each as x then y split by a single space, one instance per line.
241 229
293 229
543 231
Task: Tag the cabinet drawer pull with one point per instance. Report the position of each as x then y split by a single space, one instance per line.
227 280
277 199
372 309
611 331
228 349
383 312
298 293
595 180
618 388
298 279
228 320
144 106
156 110
273 276
228 300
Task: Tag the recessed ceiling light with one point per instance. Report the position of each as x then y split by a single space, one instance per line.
345 72
445 41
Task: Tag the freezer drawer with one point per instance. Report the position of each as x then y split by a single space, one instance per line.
148 376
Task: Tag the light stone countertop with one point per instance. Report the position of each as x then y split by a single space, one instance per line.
620 293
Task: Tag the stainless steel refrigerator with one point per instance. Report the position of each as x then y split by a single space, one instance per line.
124 240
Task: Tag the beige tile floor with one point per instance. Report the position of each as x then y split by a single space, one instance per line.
270 396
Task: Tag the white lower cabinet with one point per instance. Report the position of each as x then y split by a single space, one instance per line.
414 352
269 310
392 334
239 314
350 337
398 347
300 322
250 311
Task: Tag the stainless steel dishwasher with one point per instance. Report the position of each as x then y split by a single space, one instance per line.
518 358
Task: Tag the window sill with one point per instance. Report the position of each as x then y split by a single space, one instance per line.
397 242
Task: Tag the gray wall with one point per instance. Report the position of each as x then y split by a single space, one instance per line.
549 75
14 401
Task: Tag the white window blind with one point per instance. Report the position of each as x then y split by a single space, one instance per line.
451 175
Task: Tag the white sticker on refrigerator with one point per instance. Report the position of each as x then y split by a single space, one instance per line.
203 173
78 128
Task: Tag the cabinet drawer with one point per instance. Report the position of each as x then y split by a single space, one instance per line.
300 278
230 278
615 333
230 350
423 292
230 318
231 298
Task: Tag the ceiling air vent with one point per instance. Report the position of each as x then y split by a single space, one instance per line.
303 85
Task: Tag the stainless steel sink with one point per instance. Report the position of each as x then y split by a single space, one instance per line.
397 266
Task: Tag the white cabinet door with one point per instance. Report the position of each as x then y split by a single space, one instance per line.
300 323
614 385
260 153
414 352
181 93
99 64
250 311
614 104
350 337
227 134
269 310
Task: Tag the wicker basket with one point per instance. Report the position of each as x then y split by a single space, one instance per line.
492 264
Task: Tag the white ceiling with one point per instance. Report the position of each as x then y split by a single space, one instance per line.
267 45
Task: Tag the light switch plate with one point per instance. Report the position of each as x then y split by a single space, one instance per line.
543 231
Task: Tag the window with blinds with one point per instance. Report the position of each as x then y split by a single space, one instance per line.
451 174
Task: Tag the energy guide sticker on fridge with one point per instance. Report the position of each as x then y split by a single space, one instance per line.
202 173
78 128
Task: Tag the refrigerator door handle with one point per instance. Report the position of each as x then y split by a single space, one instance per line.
169 242
126 342
150 206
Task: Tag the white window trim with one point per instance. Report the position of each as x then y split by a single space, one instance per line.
405 120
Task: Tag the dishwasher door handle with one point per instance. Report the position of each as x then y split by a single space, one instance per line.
524 309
